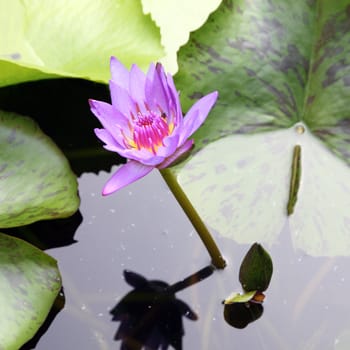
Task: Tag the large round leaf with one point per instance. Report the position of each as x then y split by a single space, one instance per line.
275 64
176 19
29 281
41 39
36 181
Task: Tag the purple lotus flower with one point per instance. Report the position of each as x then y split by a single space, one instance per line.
144 123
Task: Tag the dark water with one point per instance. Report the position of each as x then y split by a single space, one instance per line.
143 229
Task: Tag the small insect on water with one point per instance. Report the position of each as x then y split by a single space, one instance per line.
294 179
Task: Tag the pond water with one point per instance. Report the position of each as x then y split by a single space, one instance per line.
143 229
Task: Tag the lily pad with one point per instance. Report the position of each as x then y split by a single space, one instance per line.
30 282
256 269
282 70
176 19
74 39
36 181
240 298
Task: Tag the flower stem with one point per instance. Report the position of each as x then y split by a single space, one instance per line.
204 234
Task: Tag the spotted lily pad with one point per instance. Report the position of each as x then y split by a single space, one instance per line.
282 70
75 39
30 282
36 181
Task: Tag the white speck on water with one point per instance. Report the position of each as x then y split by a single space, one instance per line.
335 267
342 279
132 225
165 232
122 246
128 258
130 193
81 259
326 307
154 249
99 338
100 290
122 230
93 194
336 341
100 314
191 233
214 318
83 307
300 259
112 210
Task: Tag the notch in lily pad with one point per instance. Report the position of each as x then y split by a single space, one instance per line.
255 275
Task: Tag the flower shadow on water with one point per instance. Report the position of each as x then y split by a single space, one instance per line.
150 315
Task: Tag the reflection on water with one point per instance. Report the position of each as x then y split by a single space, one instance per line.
150 315
142 228
239 315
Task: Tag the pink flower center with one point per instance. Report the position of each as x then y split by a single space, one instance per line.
149 130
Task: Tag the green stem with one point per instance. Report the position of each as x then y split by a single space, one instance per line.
204 234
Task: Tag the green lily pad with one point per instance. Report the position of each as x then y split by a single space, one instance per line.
256 269
282 70
74 39
36 181
30 282
176 19
240 298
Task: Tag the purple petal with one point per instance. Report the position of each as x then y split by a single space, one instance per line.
120 75
110 142
170 145
156 92
125 175
121 99
179 152
174 101
196 115
137 84
107 115
143 156
111 119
